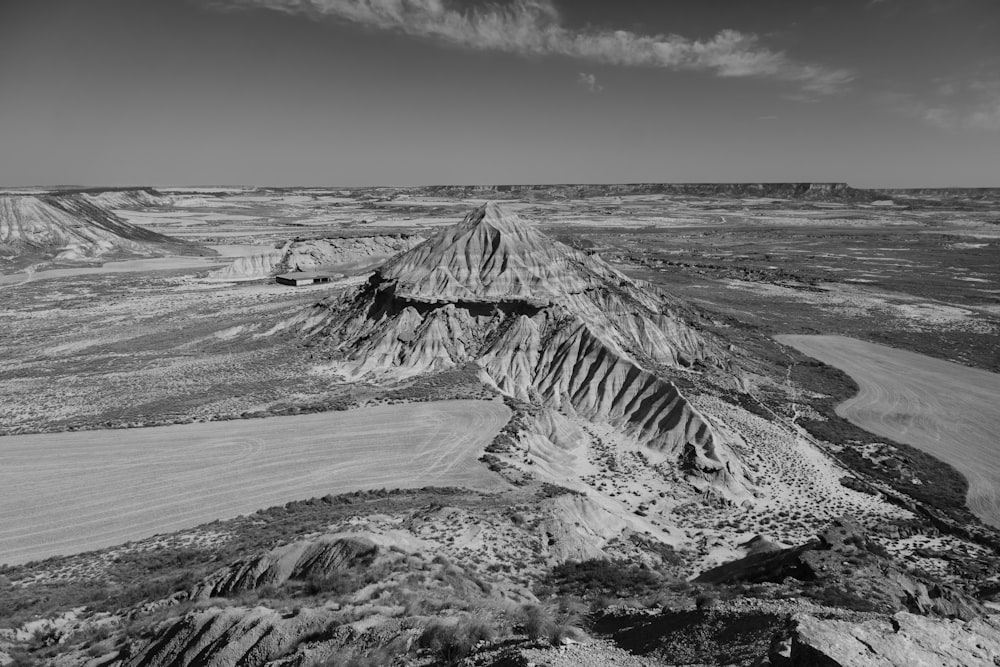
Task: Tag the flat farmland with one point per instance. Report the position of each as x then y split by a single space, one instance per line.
65 493
946 409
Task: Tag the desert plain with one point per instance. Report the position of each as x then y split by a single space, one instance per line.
501 388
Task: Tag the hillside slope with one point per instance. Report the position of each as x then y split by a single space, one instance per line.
73 227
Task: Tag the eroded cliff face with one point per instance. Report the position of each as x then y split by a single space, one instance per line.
70 227
545 323
336 254
136 198
230 636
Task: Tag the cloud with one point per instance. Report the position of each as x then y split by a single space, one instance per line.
932 6
589 81
986 117
953 104
535 28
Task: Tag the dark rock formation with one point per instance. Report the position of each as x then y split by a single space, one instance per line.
844 566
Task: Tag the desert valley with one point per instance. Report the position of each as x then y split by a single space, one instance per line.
649 424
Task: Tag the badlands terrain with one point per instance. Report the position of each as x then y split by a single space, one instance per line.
521 424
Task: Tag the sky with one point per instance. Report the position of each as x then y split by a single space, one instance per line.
876 93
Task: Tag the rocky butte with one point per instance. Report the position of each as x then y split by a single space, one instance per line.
543 323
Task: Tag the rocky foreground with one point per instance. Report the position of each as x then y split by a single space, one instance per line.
445 577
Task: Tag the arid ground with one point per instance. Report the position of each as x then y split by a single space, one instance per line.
652 430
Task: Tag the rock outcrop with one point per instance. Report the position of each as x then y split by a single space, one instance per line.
73 227
332 592
298 561
136 198
544 323
315 254
845 564
902 640
229 637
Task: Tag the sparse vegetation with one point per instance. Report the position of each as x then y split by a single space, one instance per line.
601 577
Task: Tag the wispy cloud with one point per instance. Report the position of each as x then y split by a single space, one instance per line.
535 28
589 81
933 6
953 104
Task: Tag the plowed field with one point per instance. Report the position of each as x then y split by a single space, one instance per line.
946 409
65 493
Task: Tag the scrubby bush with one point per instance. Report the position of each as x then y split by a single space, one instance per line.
603 577
335 583
705 601
446 642
479 629
536 621
541 623
833 596
452 642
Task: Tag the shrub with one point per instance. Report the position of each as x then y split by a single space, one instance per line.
561 631
337 583
603 577
479 629
704 601
452 642
446 641
833 596
539 622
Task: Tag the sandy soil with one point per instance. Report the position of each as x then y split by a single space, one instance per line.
70 492
799 486
945 409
